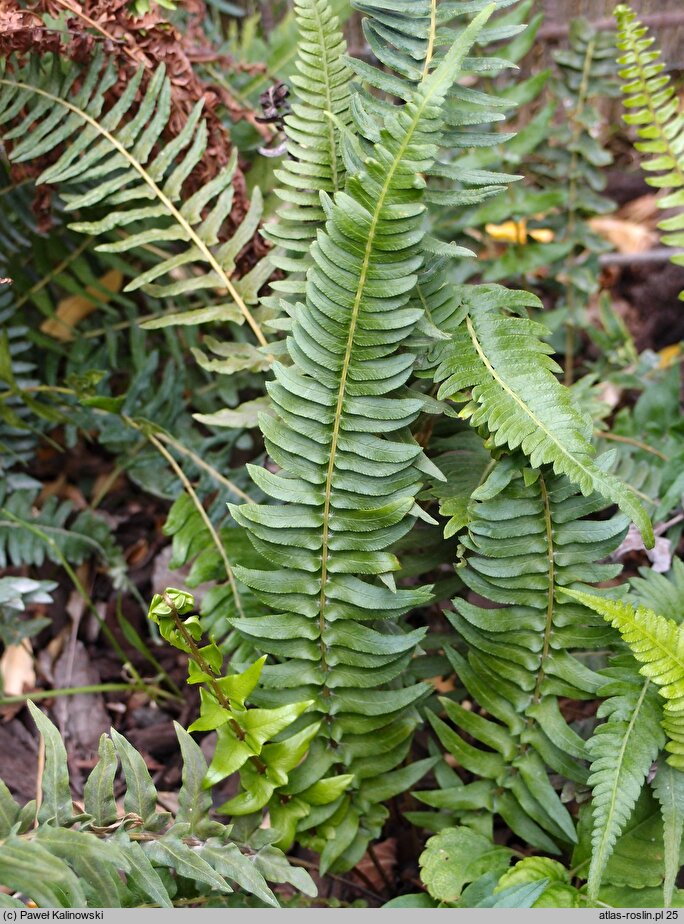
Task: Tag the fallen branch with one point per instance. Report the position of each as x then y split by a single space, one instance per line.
656 255
559 30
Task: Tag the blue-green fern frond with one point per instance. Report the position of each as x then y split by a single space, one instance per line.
116 161
350 472
525 542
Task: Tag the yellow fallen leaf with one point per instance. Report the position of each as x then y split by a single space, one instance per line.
510 232
542 235
74 308
516 232
16 669
670 355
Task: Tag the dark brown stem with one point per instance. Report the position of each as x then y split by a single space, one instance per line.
380 869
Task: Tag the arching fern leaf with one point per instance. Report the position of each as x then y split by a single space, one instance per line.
657 644
115 161
497 359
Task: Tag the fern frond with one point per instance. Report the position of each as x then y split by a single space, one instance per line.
351 471
524 543
16 593
497 358
126 170
61 857
87 535
653 107
320 110
19 422
668 787
657 644
622 751
409 41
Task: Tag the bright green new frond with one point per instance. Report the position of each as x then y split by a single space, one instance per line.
350 473
622 751
117 161
525 542
653 107
657 644
496 357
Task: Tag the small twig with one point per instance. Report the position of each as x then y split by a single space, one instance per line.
600 434
72 691
200 463
135 53
379 867
185 481
662 528
307 864
558 30
656 255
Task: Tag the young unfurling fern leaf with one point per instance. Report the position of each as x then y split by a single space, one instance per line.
351 493
653 107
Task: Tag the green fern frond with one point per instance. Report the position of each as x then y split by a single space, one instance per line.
227 599
622 751
16 593
19 421
496 357
653 107
657 644
409 41
668 787
320 110
114 161
663 593
62 857
351 471
87 535
525 542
